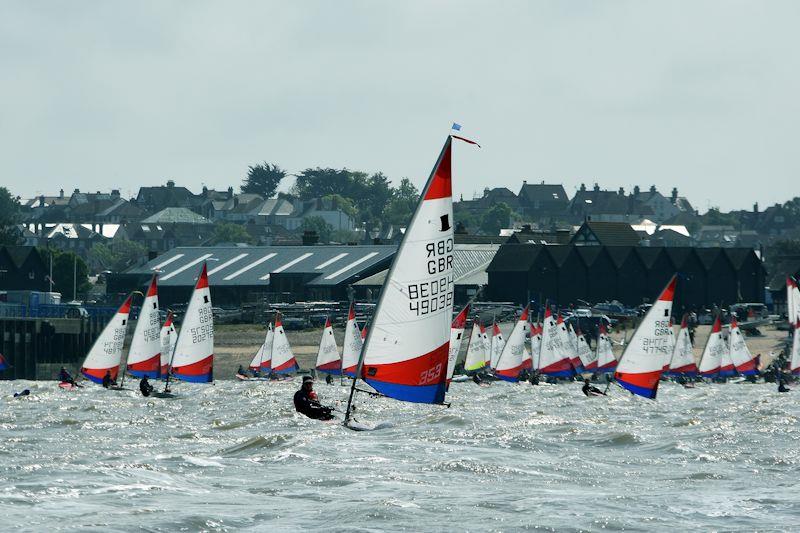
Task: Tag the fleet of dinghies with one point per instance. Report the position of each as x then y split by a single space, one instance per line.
410 350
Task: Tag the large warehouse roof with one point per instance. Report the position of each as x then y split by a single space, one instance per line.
469 266
253 266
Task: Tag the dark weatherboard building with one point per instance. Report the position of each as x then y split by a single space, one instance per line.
245 274
631 274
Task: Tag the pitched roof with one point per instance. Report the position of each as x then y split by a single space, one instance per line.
176 215
544 192
514 258
610 233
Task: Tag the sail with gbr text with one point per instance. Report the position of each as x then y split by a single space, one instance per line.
509 364
642 362
106 352
554 358
194 351
408 343
711 360
144 355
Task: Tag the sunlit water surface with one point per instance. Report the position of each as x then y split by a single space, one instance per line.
235 456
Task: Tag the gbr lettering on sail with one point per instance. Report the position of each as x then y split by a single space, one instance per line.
426 297
659 342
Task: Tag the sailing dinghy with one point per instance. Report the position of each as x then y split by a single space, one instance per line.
105 354
606 361
536 346
743 360
572 343
328 360
456 336
476 349
169 337
496 345
682 362
640 367
407 347
509 363
283 360
554 355
587 357
193 359
144 354
711 360
353 341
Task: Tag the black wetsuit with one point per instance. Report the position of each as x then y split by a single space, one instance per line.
65 377
782 387
107 381
589 390
311 408
145 387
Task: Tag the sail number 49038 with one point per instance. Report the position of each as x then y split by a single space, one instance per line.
430 296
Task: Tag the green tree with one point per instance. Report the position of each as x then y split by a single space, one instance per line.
714 217
263 179
9 218
117 257
345 204
65 266
402 203
227 232
318 224
319 182
376 196
496 218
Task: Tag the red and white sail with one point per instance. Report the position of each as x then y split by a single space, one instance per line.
711 360
536 345
144 354
606 361
682 362
262 359
642 362
668 356
408 344
106 352
456 335
792 300
527 358
194 352
587 357
572 344
496 345
554 355
169 337
476 349
743 360
283 360
353 341
328 359
794 360
509 363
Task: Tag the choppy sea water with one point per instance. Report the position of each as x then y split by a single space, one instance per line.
234 456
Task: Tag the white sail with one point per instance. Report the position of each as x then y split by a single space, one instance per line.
353 341
682 361
194 352
169 337
742 359
328 359
496 345
144 354
794 361
283 360
554 355
456 335
536 346
587 357
606 361
711 360
642 363
105 354
509 362
476 350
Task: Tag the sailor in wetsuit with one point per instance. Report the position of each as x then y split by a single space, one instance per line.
782 385
108 380
145 387
241 371
589 390
65 377
305 401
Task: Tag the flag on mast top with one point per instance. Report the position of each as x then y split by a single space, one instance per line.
456 126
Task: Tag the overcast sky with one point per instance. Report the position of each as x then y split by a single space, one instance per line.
698 95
